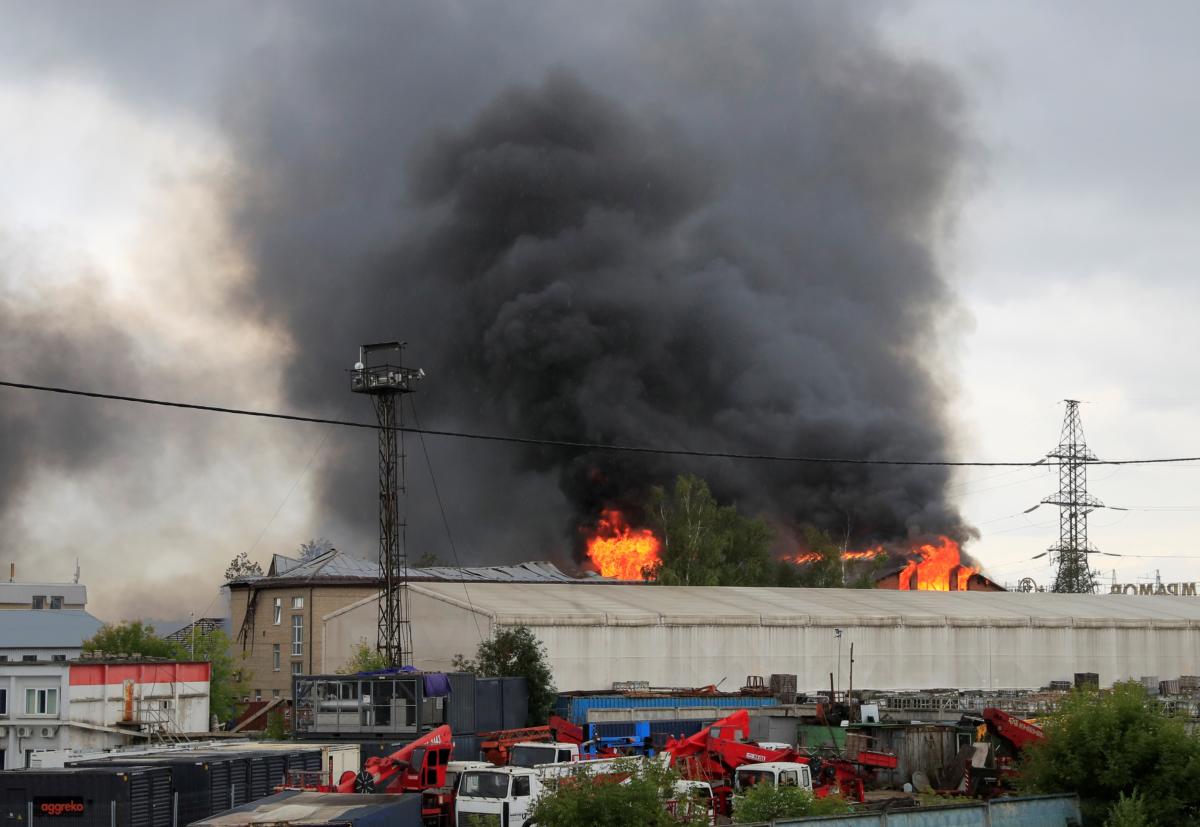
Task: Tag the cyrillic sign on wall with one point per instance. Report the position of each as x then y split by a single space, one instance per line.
1154 588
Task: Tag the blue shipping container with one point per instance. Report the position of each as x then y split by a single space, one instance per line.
575 708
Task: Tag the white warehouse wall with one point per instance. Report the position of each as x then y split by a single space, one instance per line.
596 634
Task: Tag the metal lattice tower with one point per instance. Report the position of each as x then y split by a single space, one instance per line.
1074 504
386 382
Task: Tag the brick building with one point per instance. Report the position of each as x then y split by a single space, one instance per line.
278 618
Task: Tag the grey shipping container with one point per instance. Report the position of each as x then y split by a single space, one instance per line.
324 810
460 707
88 796
466 748
489 704
516 703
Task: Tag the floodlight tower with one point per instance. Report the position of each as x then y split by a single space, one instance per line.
1074 504
380 374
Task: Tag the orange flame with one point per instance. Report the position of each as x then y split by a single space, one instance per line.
940 566
813 556
623 552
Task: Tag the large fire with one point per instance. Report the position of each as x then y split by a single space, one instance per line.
939 568
934 567
620 551
813 556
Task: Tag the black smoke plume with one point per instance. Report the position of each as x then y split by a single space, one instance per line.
722 233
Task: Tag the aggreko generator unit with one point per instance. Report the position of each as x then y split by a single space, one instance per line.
88 797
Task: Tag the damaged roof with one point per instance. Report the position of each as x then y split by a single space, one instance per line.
338 565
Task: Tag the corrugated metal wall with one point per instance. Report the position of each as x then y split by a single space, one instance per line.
575 708
1032 811
962 655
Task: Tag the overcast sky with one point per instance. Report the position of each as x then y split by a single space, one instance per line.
1071 254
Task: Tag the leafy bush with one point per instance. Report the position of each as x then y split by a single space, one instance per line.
765 802
640 800
1129 811
364 658
1108 746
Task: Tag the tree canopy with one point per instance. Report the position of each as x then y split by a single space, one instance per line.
1112 746
516 652
705 543
137 638
364 658
131 637
242 566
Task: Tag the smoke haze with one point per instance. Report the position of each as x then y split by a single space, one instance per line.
713 230
695 225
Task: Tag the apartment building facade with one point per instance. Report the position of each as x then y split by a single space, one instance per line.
97 704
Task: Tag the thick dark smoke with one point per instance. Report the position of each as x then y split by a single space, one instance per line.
69 344
717 230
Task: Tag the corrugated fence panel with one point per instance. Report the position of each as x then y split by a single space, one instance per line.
460 709
1035 811
1026 811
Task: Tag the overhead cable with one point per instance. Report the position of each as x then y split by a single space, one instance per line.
568 444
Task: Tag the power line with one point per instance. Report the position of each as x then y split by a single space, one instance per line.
445 522
559 443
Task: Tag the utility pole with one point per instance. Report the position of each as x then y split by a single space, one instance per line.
1074 504
380 374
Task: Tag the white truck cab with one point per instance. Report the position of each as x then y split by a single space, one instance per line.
500 796
775 773
455 769
532 754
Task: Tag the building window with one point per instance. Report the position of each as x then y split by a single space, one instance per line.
58 657
3 701
41 701
3 658
258 694
274 657
297 635
297 668
56 601
29 658
278 610
297 602
39 602
274 693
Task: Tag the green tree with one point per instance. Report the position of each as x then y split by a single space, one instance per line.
640 800
276 726
1107 745
705 543
765 802
1129 811
242 566
228 683
131 637
364 658
516 652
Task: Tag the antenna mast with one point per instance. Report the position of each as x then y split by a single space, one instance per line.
380 374
1074 504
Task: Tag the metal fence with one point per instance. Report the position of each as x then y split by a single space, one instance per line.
1025 811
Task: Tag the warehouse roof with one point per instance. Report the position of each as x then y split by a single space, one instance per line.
49 628
645 605
338 565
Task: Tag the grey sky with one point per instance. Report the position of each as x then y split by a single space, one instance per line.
1071 256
